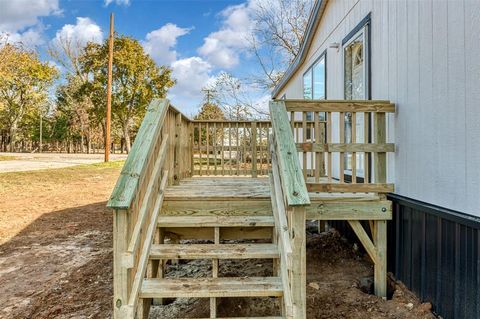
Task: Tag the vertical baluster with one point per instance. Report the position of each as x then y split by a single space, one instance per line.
230 167
260 157
329 141
208 148
304 139
238 150
317 142
214 142
354 154
342 154
222 147
366 159
200 148
253 132
245 148
267 152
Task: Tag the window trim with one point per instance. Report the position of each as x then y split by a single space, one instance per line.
310 68
365 25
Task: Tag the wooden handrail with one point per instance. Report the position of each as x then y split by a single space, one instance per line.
292 178
127 184
160 156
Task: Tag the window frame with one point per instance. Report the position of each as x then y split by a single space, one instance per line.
323 57
364 26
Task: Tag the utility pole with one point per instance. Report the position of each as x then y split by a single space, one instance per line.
109 91
209 94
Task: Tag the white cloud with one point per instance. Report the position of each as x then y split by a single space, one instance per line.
30 38
85 30
19 20
16 15
118 2
192 74
160 43
224 47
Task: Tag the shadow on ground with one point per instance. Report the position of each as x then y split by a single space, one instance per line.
59 266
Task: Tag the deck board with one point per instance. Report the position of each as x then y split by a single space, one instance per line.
244 188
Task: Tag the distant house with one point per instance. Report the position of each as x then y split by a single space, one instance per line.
425 57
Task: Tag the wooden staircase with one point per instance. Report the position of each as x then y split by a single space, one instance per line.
215 286
162 213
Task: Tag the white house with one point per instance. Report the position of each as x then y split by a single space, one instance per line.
424 56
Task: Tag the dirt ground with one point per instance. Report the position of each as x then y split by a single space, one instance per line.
56 259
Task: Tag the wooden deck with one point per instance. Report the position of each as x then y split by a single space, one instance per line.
159 201
229 195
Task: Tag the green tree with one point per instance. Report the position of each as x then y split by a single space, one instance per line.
136 81
24 84
210 111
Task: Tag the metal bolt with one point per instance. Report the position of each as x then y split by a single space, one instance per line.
295 193
289 153
118 303
384 209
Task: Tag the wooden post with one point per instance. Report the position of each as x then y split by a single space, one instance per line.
380 162
254 149
380 272
120 272
299 267
176 161
109 92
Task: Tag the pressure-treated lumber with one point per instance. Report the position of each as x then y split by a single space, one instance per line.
345 147
350 188
127 184
339 106
293 182
214 251
212 287
215 221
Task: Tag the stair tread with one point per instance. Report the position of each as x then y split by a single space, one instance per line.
212 287
215 221
217 251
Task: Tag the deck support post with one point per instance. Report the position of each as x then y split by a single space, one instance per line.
299 266
120 272
380 273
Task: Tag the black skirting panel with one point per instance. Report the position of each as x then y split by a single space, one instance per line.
436 253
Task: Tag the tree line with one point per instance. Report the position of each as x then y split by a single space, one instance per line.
64 105
68 114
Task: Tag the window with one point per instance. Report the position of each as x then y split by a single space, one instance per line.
356 87
314 80
314 86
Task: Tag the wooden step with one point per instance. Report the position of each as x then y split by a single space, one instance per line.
215 221
214 251
212 287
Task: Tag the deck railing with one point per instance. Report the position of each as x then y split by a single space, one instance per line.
345 149
235 148
156 160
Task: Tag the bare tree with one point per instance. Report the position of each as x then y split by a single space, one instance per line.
277 37
233 96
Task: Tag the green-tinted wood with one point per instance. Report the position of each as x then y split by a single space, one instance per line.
127 183
290 170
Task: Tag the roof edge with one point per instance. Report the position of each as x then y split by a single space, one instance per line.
312 25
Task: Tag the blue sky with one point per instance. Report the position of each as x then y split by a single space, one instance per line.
197 38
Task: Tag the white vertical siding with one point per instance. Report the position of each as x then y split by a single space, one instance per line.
426 59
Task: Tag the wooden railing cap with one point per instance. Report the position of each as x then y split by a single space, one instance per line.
293 183
127 184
